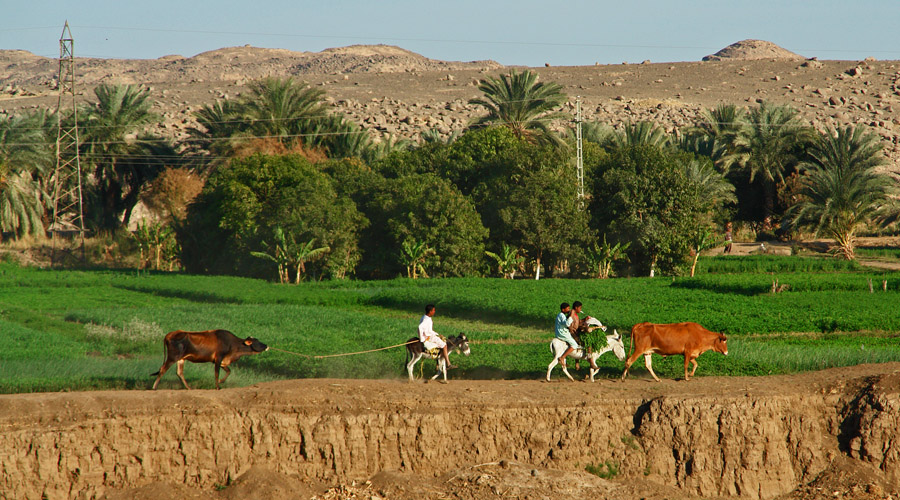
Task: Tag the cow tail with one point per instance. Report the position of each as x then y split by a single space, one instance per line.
165 357
631 347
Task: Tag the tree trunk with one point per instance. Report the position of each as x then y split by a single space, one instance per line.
537 268
694 265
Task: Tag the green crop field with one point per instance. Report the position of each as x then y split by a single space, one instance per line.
83 330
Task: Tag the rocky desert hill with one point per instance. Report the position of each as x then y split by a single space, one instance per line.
392 90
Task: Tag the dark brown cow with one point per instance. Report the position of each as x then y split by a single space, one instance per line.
212 346
687 339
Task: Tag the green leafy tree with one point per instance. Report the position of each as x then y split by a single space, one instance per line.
840 189
521 103
241 206
422 208
528 197
508 261
123 158
643 195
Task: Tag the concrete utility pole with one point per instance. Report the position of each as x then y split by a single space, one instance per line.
68 210
579 155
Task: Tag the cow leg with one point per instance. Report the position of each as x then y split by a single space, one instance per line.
649 363
694 369
628 362
180 371
161 372
227 373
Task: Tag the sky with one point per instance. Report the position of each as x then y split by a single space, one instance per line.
511 32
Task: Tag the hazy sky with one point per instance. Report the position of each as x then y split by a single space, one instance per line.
513 32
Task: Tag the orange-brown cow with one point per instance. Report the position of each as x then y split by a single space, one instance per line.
212 346
687 339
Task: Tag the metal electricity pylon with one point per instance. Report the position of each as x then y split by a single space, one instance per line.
68 210
579 153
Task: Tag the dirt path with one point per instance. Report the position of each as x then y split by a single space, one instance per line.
751 437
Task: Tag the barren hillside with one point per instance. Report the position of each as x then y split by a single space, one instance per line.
395 91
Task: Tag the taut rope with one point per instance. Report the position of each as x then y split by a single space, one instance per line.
343 354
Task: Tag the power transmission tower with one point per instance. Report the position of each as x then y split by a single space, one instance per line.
579 154
68 210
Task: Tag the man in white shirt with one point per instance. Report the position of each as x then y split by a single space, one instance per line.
430 338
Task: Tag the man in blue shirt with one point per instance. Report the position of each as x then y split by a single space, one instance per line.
562 331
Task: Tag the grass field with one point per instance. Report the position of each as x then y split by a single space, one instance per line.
82 330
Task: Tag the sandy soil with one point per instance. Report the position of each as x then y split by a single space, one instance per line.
499 477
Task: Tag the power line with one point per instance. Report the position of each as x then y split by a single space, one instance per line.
380 39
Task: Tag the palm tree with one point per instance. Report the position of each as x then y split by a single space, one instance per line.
221 124
840 189
123 159
434 136
25 157
283 110
717 135
640 133
517 101
768 144
508 261
598 133
281 107
713 185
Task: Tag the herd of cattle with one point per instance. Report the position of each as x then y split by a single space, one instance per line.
690 340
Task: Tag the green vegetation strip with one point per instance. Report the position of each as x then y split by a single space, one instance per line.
85 330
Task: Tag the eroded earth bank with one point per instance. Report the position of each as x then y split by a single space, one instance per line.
828 434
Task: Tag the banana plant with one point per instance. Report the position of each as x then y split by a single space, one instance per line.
413 255
602 257
701 239
303 253
278 254
508 261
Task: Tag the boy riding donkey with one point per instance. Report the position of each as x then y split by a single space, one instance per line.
567 324
430 338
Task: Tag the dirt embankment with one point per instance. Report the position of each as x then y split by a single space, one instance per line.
715 437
